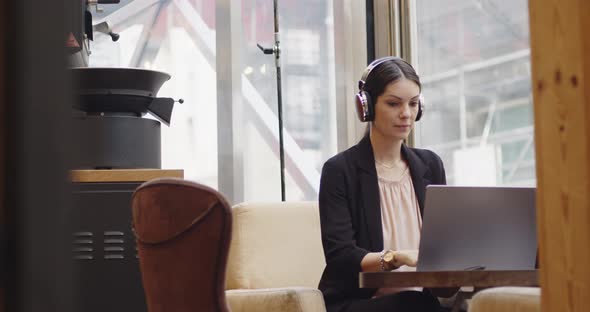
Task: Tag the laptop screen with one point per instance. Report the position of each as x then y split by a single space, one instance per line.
491 228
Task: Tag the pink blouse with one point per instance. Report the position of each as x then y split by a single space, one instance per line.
400 219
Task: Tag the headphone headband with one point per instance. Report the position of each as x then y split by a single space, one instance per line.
372 66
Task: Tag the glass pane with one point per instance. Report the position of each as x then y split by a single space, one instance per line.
474 62
177 37
307 52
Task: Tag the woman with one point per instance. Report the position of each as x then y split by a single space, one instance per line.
372 195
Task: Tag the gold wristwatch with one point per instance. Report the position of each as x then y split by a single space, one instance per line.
387 260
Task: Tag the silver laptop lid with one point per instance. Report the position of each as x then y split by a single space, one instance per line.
469 227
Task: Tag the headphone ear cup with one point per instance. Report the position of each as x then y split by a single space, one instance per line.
419 115
359 103
370 107
363 106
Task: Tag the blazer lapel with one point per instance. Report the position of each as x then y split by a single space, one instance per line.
369 193
420 173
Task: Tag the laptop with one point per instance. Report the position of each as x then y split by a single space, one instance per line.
478 228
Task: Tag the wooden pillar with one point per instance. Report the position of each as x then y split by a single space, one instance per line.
560 45
3 100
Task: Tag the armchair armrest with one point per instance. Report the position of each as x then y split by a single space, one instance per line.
289 299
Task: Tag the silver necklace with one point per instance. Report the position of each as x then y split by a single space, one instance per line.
386 166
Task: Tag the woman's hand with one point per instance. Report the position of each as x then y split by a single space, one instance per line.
406 257
372 261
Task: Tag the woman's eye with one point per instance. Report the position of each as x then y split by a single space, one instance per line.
392 104
415 103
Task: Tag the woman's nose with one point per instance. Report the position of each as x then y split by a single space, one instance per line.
406 111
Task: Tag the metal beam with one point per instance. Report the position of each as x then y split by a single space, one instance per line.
151 38
228 25
475 66
203 37
306 176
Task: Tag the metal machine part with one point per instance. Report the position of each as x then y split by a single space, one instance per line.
117 141
111 132
105 28
104 90
82 30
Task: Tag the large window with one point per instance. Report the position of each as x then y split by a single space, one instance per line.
473 57
178 37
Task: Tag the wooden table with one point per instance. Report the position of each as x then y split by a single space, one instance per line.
123 175
449 279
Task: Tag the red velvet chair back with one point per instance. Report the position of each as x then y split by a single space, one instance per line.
183 231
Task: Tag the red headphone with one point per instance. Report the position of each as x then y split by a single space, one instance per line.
365 108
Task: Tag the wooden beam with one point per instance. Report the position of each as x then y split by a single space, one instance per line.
560 44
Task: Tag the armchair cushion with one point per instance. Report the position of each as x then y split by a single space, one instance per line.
507 299
275 245
292 299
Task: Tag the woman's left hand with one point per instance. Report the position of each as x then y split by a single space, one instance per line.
406 257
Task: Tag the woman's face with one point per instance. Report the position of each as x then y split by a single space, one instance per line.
396 109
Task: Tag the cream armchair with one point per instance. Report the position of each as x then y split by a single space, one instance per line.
507 299
276 258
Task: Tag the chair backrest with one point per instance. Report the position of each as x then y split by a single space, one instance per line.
183 230
275 245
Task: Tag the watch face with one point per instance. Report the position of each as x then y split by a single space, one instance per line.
388 256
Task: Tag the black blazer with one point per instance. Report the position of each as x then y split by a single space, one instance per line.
350 214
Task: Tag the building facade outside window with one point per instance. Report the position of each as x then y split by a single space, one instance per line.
474 61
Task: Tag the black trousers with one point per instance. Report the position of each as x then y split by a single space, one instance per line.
405 301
